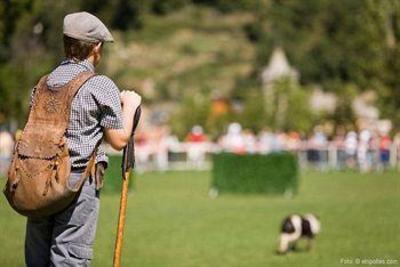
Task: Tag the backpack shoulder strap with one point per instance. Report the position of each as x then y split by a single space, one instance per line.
78 81
72 89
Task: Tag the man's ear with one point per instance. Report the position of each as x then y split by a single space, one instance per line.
98 46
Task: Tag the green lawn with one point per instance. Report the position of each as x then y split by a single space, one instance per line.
172 222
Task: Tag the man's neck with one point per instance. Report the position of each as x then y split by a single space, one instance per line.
86 62
91 61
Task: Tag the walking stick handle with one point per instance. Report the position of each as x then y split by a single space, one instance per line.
128 158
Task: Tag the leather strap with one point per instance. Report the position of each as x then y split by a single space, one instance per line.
88 171
78 81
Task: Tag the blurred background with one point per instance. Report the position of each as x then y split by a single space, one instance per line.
317 79
295 75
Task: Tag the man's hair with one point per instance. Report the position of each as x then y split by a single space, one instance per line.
77 49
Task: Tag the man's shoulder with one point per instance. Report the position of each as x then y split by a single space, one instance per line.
101 80
101 83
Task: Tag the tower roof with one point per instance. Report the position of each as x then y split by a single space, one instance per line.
278 67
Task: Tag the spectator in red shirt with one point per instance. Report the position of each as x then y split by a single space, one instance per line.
196 147
384 150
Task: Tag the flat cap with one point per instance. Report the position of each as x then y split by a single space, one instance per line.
86 27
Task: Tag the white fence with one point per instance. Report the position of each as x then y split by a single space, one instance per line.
331 157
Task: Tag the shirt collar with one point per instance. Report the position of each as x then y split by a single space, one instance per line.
84 63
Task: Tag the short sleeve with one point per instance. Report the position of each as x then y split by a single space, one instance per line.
107 97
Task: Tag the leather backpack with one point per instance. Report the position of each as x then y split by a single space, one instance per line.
38 176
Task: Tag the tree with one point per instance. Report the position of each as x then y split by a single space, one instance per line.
336 43
288 107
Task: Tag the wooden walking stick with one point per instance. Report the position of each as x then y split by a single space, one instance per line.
128 163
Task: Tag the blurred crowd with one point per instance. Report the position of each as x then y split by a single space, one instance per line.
364 150
158 149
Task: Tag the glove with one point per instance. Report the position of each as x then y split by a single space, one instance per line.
99 175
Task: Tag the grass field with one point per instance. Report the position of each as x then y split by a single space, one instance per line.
172 222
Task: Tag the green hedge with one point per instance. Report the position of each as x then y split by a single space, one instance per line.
113 176
274 173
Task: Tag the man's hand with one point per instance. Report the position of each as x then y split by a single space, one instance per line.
119 138
130 100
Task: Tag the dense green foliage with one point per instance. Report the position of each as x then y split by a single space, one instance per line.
272 173
288 108
171 222
202 49
337 44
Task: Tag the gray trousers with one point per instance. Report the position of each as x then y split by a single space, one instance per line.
66 238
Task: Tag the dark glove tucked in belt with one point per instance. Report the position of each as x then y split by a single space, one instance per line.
99 174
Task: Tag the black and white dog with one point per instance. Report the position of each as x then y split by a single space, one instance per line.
295 227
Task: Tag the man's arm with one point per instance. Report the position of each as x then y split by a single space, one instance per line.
118 138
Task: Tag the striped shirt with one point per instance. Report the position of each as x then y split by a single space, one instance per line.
96 106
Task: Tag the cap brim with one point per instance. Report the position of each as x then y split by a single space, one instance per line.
109 37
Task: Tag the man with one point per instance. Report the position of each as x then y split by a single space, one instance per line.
98 110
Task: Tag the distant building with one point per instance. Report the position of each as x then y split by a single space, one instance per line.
278 68
321 101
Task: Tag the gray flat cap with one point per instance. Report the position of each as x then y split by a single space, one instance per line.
86 27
